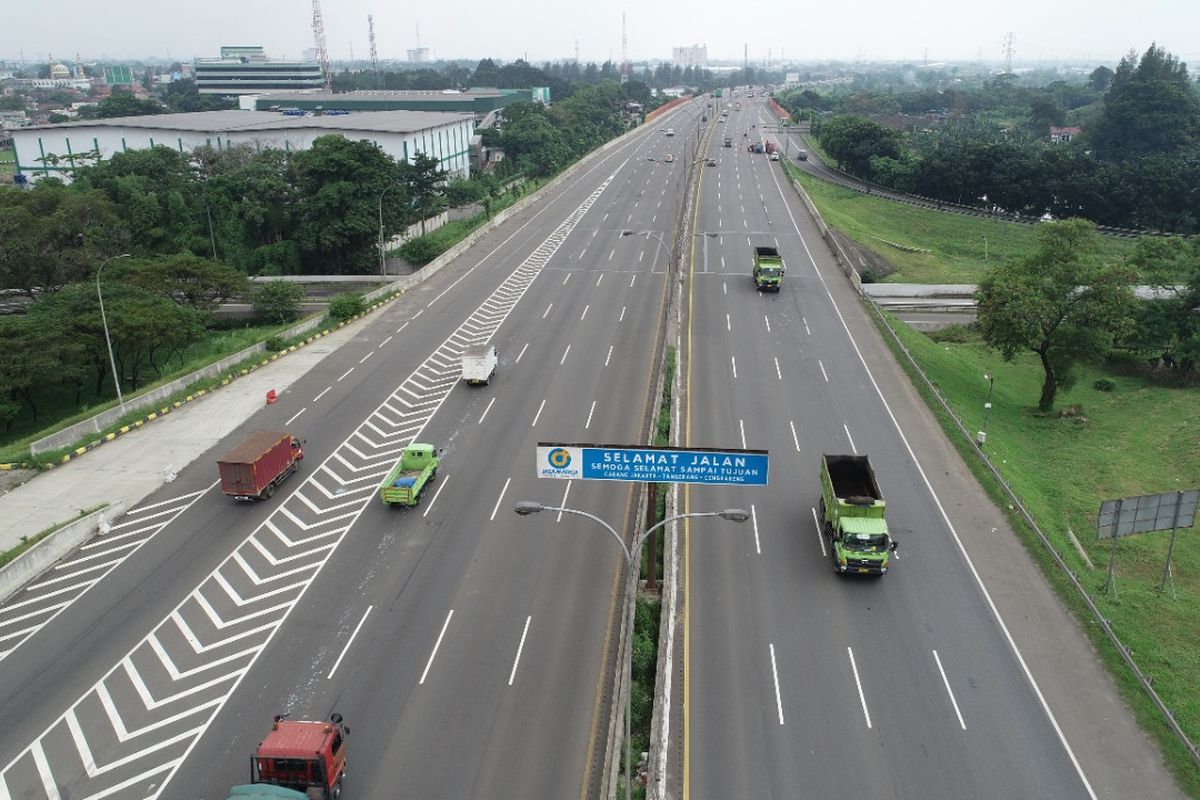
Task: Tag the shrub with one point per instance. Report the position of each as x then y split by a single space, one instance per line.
868 276
1104 385
344 306
277 302
421 250
274 344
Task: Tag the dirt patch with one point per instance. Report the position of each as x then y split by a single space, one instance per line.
12 478
864 258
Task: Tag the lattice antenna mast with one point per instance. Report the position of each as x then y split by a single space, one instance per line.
371 38
1010 47
318 25
624 50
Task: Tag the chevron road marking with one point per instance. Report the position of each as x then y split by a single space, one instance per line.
240 606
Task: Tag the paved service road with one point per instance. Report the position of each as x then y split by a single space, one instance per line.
468 649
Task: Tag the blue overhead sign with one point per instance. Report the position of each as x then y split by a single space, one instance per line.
651 464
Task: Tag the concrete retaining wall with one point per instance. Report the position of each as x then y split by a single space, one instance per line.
46 553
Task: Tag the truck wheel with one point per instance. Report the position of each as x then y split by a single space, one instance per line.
335 791
269 491
432 476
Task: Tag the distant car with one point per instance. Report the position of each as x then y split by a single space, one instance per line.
668 158
670 131
802 155
775 156
712 162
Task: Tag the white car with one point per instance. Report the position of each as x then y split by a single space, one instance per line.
670 131
668 158
775 156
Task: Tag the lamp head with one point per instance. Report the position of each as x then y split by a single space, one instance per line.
734 514
527 507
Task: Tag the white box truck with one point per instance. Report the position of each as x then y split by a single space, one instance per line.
479 364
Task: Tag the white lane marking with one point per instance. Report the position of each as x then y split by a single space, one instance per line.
754 519
775 675
563 502
523 349
846 428
607 357
724 288
293 417
564 283
600 279
778 373
436 645
727 327
631 280
422 311
385 341
368 355
949 691
43 767
806 330
795 438
722 262
595 232
546 313
585 310
641 256
349 642
733 360
563 360
612 253
344 374
581 252
621 318
500 499
436 495
322 394
861 697
538 414
483 416
823 372
520 647
820 534
402 327
742 431
768 323
588 424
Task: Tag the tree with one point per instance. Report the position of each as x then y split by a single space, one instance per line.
1151 107
852 141
36 356
277 302
423 181
124 104
1169 326
189 280
1100 79
1060 303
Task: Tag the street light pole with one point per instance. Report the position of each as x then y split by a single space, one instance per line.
526 507
382 263
104 319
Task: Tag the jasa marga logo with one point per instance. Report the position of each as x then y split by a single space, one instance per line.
559 458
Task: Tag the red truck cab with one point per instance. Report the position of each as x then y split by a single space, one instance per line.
305 756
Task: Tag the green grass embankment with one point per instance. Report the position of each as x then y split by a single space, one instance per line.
949 247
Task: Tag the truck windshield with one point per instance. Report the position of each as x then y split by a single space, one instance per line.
770 271
866 543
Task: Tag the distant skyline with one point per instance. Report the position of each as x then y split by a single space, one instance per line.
1099 32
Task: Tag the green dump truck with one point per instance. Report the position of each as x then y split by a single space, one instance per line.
852 513
417 466
768 268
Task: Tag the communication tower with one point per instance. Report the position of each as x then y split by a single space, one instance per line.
318 25
371 38
624 51
1010 47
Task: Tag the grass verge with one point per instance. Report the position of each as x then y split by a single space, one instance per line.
1137 439
945 247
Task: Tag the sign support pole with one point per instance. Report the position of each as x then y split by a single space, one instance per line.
1171 547
1110 583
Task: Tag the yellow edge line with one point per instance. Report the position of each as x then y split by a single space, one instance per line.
687 539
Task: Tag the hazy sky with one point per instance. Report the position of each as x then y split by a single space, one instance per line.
1098 31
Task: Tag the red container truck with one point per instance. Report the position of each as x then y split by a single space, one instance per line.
253 469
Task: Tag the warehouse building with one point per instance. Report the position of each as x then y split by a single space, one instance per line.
57 150
479 102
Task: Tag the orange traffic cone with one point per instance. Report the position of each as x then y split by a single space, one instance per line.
271 398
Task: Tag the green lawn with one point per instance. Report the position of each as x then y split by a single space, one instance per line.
1140 438
8 161
954 242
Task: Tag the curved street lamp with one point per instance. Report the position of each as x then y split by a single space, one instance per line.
527 507
104 320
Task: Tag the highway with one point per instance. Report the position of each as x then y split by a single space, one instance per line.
469 650
800 682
